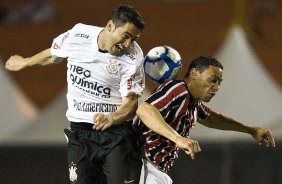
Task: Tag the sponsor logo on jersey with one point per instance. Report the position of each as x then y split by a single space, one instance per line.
129 82
81 35
130 56
94 107
58 45
80 77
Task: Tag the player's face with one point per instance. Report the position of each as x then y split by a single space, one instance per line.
207 83
120 38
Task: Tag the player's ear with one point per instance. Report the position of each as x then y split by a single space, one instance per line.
110 26
193 73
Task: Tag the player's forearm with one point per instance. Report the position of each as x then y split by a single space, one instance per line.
222 122
152 118
41 59
126 111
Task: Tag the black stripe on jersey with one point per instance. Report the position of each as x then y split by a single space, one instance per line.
203 111
164 88
154 137
166 157
172 111
139 127
182 125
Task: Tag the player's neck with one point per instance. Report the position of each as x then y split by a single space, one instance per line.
101 41
191 88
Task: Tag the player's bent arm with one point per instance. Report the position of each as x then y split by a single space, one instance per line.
152 118
222 122
16 62
125 112
127 109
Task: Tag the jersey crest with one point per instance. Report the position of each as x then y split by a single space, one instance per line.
112 67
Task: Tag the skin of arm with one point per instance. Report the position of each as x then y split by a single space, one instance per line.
125 112
222 122
152 118
16 62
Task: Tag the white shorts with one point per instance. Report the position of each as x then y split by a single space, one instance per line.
151 175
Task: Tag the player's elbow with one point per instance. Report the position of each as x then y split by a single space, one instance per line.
142 109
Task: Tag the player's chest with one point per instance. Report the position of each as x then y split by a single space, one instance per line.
106 69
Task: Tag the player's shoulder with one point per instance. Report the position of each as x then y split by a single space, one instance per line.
137 48
84 34
175 84
182 84
81 30
134 52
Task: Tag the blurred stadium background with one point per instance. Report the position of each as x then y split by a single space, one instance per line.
245 35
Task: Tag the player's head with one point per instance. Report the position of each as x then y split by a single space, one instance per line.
126 14
123 28
203 77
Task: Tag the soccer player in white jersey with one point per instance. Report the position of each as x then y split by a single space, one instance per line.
105 79
171 111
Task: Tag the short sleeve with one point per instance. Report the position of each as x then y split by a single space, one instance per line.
60 45
133 80
132 73
74 42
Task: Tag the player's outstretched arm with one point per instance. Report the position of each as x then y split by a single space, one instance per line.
152 118
16 62
222 122
263 136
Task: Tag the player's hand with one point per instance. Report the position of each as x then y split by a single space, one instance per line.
263 136
190 146
102 121
15 63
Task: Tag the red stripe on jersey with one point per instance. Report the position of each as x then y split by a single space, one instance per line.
176 105
166 98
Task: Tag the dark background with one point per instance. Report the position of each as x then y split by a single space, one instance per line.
218 163
193 28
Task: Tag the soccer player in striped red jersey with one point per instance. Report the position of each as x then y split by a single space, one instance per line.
169 113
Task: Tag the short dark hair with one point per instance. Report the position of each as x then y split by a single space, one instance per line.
126 14
201 63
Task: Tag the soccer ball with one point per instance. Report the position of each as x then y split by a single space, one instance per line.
162 63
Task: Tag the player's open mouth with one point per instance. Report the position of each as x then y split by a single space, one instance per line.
119 48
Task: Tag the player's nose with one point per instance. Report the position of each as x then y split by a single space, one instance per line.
127 43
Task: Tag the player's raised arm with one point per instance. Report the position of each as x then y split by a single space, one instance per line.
16 62
222 122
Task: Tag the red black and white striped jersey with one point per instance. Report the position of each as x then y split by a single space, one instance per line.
178 109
